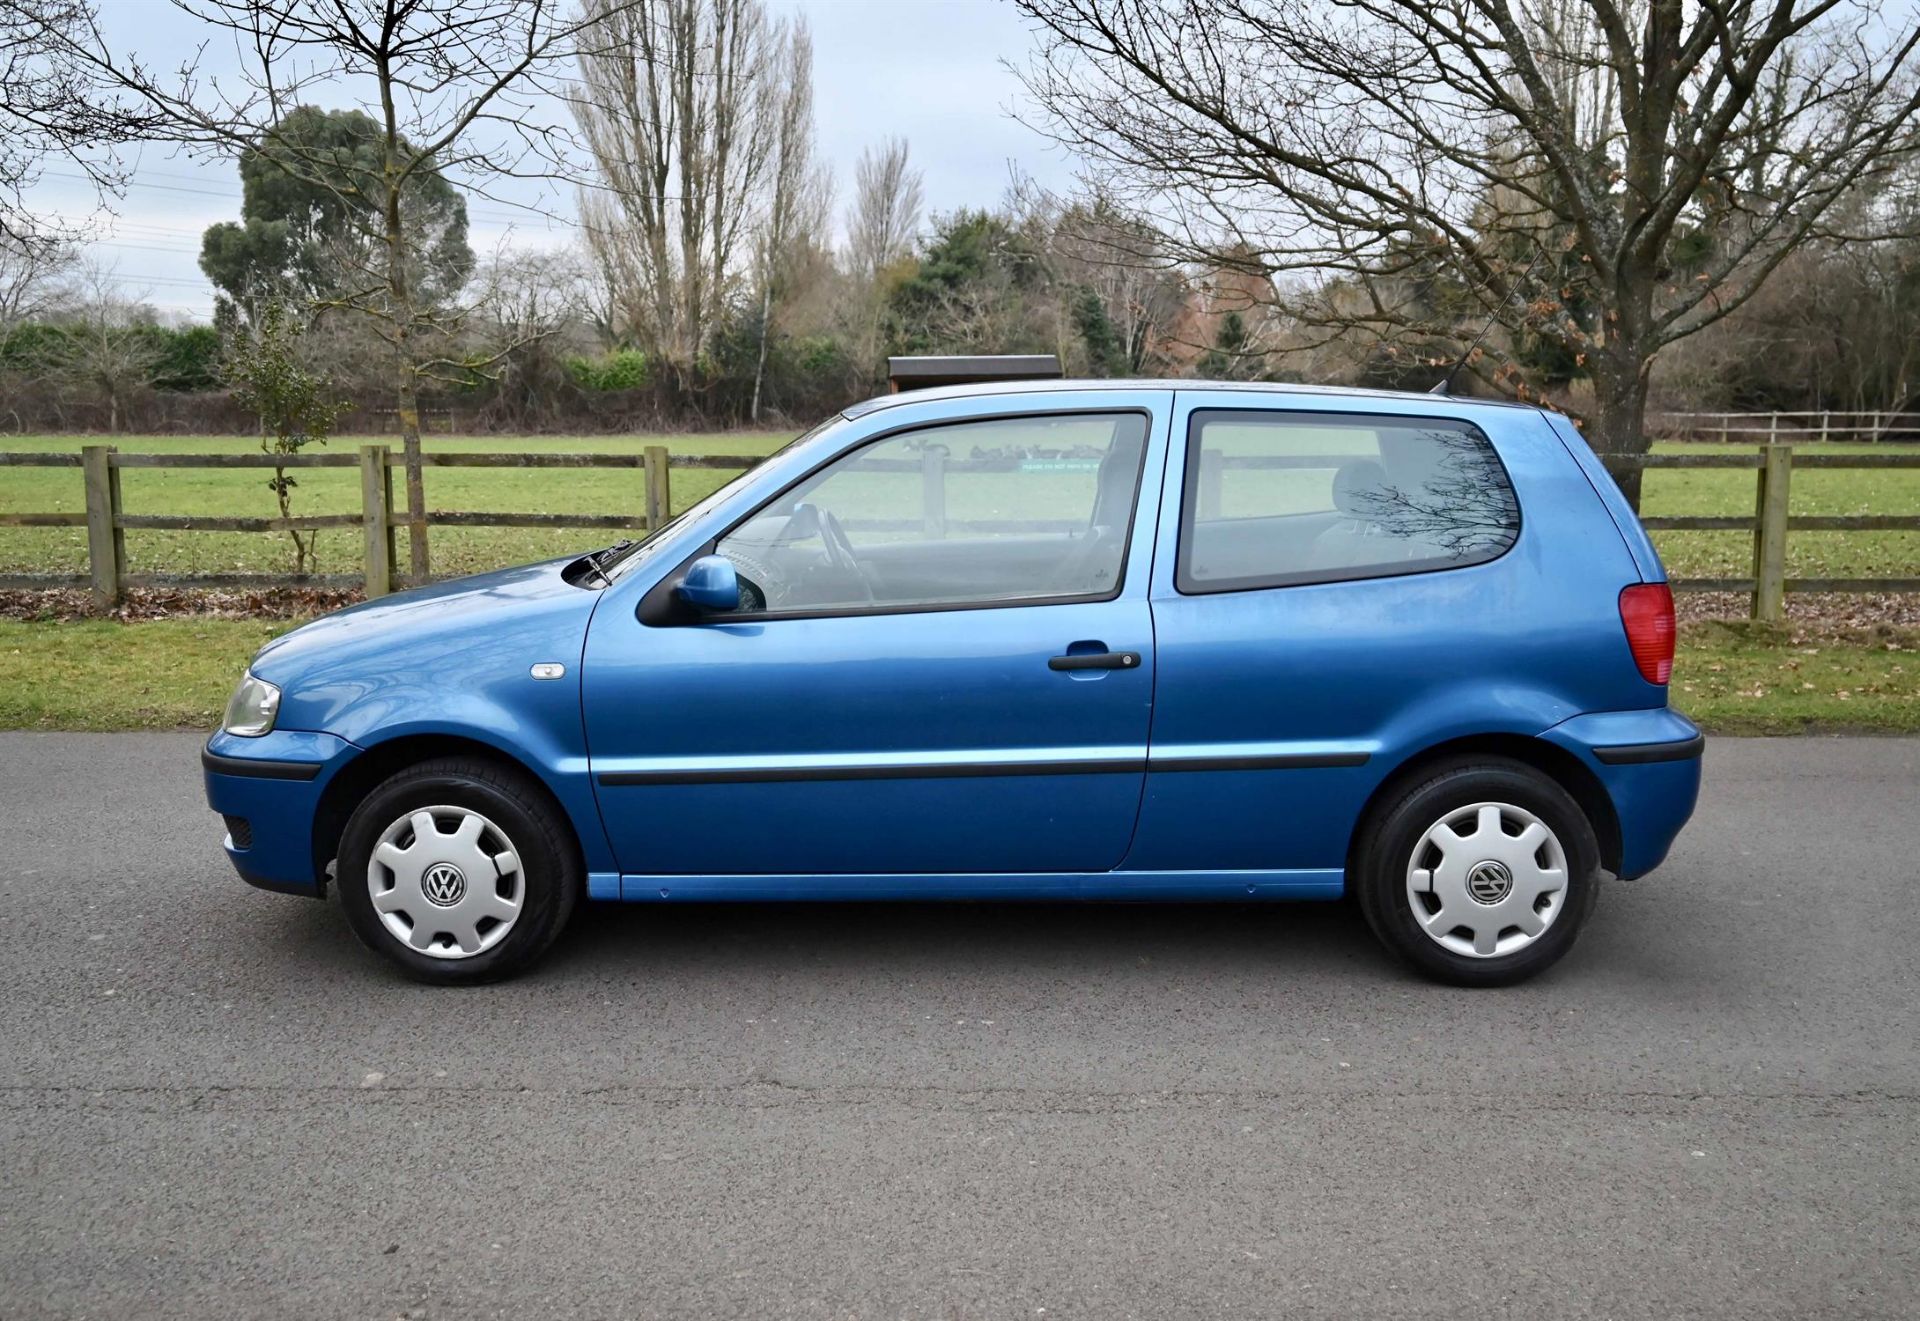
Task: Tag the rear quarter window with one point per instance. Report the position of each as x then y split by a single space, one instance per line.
1278 500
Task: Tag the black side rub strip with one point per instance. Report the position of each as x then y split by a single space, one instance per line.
1638 754
259 769
979 769
781 774
1281 761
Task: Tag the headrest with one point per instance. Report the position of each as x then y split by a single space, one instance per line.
1357 486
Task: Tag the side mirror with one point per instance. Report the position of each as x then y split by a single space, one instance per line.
710 583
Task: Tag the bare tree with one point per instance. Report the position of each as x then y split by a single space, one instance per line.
52 106
33 278
798 192
884 217
1603 177
107 352
1140 295
882 222
452 85
678 105
537 306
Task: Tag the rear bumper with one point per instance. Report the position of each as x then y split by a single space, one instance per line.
1649 764
268 789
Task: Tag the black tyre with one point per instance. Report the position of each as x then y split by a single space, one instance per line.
459 871
1479 872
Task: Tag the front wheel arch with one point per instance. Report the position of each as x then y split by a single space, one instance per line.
1556 763
381 762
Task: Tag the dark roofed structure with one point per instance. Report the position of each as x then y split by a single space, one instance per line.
920 373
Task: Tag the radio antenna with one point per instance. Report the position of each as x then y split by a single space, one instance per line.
1445 384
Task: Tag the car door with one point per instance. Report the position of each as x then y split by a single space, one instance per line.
943 662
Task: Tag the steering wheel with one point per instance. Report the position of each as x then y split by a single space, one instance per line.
839 549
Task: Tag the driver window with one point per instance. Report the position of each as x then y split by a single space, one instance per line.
1004 510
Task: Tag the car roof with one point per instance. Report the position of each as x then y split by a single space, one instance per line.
990 388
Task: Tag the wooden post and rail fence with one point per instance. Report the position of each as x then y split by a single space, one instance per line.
1866 425
107 521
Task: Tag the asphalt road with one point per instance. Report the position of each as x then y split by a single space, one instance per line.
214 1103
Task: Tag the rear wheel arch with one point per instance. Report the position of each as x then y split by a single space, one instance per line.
1556 763
381 762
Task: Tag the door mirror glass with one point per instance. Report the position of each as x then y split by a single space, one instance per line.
711 584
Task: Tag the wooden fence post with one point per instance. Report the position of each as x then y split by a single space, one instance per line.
1770 533
1212 464
106 542
376 501
386 490
659 493
933 491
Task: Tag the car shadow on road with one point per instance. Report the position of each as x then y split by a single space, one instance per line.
978 937
691 942
695 941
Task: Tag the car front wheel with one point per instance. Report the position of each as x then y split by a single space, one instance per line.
459 871
1480 873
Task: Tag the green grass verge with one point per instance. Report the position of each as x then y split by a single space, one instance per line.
1739 678
173 673
99 674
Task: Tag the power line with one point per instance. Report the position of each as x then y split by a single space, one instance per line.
481 213
141 247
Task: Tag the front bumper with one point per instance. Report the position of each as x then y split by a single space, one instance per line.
269 789
1649 764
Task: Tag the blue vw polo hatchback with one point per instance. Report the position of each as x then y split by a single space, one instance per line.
1129 641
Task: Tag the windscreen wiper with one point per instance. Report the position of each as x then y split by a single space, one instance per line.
597 560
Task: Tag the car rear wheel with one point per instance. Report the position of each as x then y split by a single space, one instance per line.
1480 873
459 871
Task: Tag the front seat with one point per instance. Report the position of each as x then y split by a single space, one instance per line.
1095 558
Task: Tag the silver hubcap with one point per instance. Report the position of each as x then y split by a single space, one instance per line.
1487 880
446 881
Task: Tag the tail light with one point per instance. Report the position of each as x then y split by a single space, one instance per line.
1646 612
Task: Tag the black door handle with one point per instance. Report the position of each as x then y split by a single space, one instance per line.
1096 660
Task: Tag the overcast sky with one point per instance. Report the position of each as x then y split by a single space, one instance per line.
927 70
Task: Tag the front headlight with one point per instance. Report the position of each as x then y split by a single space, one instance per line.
251 709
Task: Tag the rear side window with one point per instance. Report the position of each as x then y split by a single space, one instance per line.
1279 499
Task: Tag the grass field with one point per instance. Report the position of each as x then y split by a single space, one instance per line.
463 550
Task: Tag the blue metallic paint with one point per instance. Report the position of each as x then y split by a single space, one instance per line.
1391 666
280 811
1653 800
880 689
711 583
1528 645
455 659
1639 544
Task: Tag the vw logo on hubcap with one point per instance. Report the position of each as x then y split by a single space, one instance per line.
1489 882
443 885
